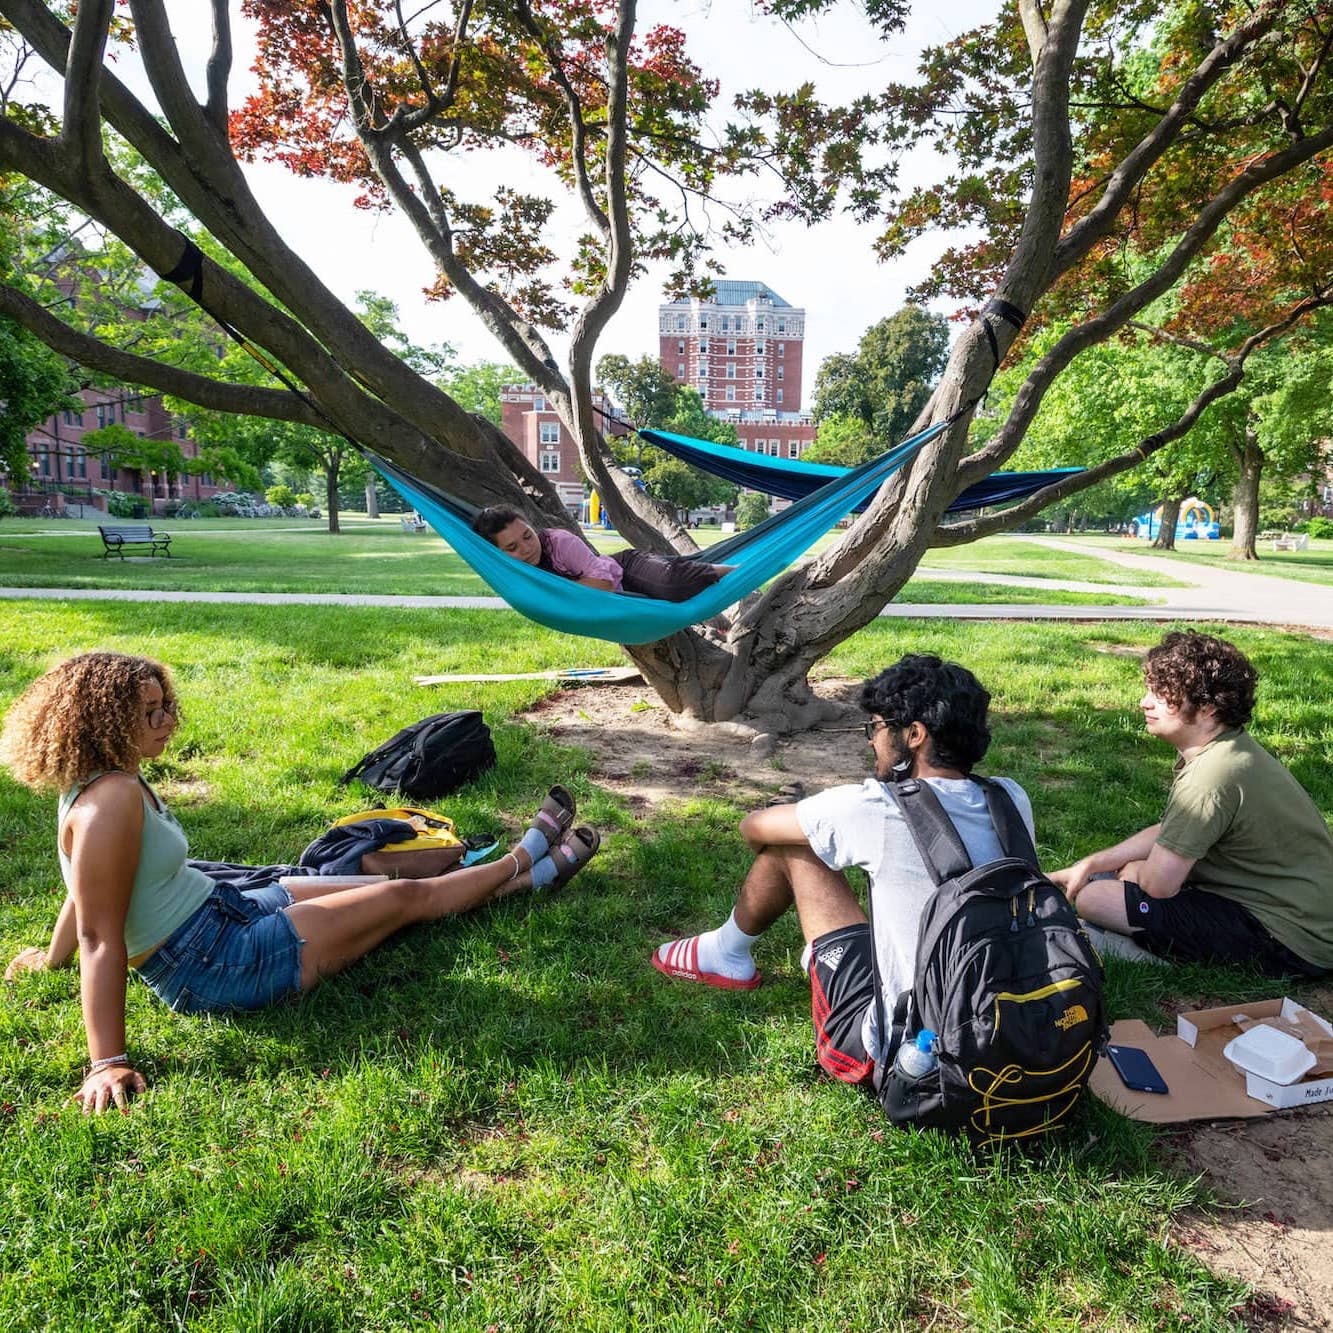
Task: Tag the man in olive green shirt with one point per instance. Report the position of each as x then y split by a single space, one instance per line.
1240 868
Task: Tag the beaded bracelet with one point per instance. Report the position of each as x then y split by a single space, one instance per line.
107 1061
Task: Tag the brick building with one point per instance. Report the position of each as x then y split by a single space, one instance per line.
743 351
532 424
63 472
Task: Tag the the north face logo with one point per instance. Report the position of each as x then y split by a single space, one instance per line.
830 958
1071 1017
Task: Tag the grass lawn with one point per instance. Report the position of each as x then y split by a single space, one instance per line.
511 1121
948 592
1013 555
377 556
1311 566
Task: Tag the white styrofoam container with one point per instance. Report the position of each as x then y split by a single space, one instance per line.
1272 1055
1281 1095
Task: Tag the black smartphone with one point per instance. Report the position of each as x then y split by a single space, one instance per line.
1136 1070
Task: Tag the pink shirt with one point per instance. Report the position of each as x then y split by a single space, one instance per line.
570 557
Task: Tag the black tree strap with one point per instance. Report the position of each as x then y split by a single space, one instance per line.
1008 312
190 269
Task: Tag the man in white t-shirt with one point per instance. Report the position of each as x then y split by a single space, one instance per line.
927 720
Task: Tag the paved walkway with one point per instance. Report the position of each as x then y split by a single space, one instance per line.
1211 595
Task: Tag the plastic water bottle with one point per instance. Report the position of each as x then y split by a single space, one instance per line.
916 1058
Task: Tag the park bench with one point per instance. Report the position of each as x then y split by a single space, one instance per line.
413 523
116 537
1291 541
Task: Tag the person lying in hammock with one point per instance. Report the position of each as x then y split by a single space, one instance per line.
664 578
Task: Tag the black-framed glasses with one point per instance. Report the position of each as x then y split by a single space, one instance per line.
872 725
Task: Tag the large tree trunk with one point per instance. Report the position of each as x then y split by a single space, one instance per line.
1245 499
1166 533
331 470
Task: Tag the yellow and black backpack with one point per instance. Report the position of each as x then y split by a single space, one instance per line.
1006 978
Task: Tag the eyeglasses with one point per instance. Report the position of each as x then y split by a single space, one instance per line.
868 728
160 716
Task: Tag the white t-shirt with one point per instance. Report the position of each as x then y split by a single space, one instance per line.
861 825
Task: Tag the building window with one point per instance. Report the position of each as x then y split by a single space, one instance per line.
548 432
183 431
550 462
731 393
731 348
703 372
73 418
782 326
793 448
680 346
78 465
759 372
680 323
731 370
774 448
538 403
782 349
759 395
779 395
780 370
102 413
759 348
703 346
759 328
703 323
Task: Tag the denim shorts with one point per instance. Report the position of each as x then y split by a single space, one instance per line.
238 951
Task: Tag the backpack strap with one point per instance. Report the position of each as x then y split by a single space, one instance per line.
932 830
1015 840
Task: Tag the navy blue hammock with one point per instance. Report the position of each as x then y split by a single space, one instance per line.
755 556
793 479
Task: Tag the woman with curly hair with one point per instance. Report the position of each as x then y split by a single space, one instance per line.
84 729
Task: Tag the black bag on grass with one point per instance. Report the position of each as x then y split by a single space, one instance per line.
1005 977
430 758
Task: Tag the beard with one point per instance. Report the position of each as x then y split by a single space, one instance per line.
897 764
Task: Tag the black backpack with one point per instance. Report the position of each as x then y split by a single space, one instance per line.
1006 978
430 758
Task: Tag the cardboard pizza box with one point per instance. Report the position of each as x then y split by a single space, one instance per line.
1202 1084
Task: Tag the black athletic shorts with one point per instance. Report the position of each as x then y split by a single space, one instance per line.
1197 926
842 988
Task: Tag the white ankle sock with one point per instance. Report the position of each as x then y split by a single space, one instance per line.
726 951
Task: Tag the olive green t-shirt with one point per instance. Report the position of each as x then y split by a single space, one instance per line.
1257 838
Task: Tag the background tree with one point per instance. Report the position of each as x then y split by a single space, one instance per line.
843 440
34 383
1073 136
889 378
476 388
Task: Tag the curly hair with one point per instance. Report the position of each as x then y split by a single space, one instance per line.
82 717
947 699
1192 671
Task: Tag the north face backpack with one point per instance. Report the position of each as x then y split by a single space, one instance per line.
430 758
1005 977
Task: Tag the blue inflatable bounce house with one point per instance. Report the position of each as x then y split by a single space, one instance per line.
1197 522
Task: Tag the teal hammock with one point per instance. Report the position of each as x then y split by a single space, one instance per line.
756 555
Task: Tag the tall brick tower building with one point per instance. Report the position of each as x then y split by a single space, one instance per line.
743 352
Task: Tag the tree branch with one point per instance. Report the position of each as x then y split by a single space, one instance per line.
1245 182
219 69
81 134
1099 220
216 395
957 534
